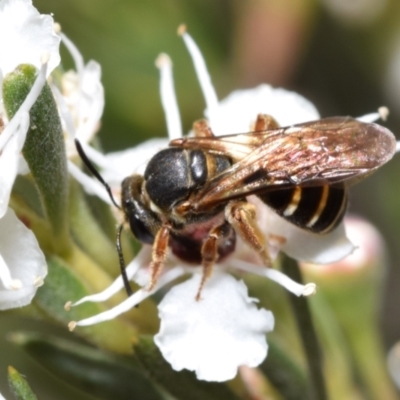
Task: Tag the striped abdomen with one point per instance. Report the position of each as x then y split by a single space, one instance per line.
318 209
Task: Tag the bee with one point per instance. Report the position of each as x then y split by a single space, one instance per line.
192 198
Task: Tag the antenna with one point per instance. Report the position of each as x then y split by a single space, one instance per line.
94 171
96 174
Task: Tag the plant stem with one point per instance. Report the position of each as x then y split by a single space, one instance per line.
307 333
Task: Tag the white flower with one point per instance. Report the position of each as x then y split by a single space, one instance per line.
219 342
20 255
241 330
26 38
80 99
224 330
215 336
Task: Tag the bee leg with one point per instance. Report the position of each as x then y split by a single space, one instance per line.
202 129
159 254
209 254
242 216
265 122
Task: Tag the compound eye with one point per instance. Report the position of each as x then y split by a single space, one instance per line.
140 230
198 167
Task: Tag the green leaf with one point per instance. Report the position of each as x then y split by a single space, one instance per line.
62 285
179 384
91 370
19 386
44 148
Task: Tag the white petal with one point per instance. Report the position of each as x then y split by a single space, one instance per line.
26 36
319 249
239 110
301 244
81 99
81 104
20 251
91 101
6 279
216 335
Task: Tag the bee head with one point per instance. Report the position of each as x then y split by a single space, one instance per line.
173 174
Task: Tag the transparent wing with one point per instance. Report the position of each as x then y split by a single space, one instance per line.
330 150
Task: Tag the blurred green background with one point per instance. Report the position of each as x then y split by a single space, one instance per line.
343 56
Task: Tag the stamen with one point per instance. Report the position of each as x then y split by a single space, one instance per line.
131 301
57 27
72 326
38 281
168 97
90 185
203 76
276 276
78 60
76 55
309 289
382 114
115 287
29 101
